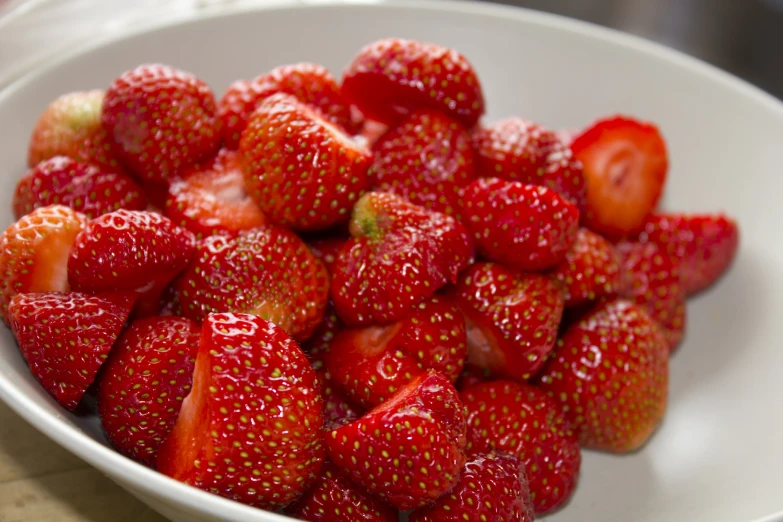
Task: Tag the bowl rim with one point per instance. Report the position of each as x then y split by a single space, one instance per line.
150 482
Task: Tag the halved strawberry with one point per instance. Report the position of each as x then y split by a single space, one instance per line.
522 420
493 488
372 363
704 245
65 337
34 252
610 371
409 450
300 169
400 255
625 164
250 430
511 317
526 227
62 181
427 159
143 384
211 198
391 77
265 271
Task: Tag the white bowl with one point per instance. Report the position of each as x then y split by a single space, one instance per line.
718 456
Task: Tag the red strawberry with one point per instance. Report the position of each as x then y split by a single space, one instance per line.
338 407
129 250
611 371
335 498
703 245
71 126
427 160
514 149
63 181
160 120
211 198
526 227
34 252
265 271
391 77
590 270
373 362
326 250
408 451
625 164
309 83
512 318
564 174
400 255
520 419
148 374
493 488
300 169
65 337
250 430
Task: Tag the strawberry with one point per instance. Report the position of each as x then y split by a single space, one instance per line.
371 363
590 270
250 428
130 250
564 174
318 344
34 252
703 245
148 374
493 488
625 164
71 126
652 281
326 250
409 450
65 337
427 159
339 409
211 198
60 180
160 120
522 420
511 317
400 255
265 271
526 227
335 498
391 77
610 371
301 170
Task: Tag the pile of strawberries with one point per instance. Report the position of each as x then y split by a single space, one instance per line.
350 300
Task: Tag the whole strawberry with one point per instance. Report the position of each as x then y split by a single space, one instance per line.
160 120
513 149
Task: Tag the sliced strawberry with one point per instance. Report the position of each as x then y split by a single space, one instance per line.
148 374
590 270
373 362
313 188
335 498
512 318
211 198
703 245
493 488
250 430
526 227
522 420
65 337
160 120
391 77
409 450
63 181
327 250
34 252
427 159
625 164
610 372
400 255
265 271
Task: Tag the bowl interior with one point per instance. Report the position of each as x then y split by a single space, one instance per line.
717 456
